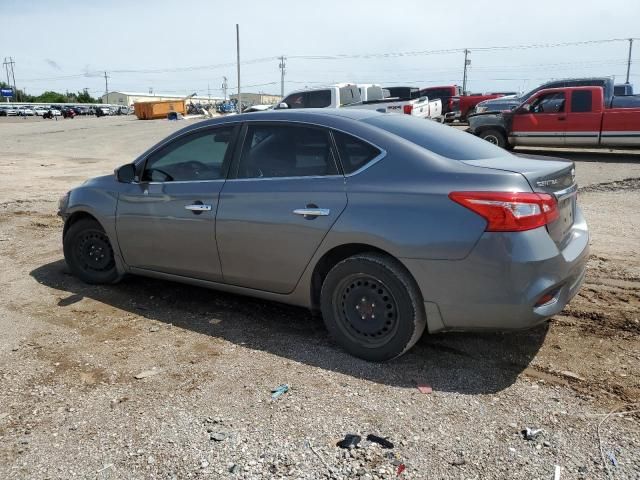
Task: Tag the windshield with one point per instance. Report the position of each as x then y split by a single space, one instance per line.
436 92
443 140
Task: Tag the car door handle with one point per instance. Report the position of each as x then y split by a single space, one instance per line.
198 207
312 212
562 118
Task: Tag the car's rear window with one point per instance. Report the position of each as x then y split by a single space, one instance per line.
446 141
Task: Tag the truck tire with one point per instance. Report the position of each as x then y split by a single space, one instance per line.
494 136
372 307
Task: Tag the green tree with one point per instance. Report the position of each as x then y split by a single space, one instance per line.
51 97
84 97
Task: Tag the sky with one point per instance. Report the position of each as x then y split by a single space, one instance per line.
188 46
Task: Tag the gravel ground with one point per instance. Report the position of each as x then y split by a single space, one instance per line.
72 407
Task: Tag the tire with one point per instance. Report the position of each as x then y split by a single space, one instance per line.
494 136
363 286
89 254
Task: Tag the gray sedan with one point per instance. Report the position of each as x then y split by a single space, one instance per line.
387 224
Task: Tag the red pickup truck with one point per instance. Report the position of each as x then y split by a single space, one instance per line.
455 105
573 116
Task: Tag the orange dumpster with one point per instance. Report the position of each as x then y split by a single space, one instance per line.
159 109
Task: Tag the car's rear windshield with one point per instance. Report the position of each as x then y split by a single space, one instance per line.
446 141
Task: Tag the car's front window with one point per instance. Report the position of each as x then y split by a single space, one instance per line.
286 151
193 157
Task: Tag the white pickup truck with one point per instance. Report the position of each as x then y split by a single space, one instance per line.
367 96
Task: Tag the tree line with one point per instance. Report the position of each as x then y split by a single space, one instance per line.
51 97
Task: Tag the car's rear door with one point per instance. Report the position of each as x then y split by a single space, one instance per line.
543 124
166 222
286 195
583 120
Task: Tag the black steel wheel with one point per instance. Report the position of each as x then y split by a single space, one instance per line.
89 253
372 307
368 311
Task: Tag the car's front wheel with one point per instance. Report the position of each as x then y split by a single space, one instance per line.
372 308
89 253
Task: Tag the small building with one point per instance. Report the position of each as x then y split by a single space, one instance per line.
129 98
257 98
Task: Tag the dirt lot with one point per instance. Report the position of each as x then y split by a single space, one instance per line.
70 406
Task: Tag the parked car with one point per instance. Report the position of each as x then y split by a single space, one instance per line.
81 110
347 95
433 107
257 108
388 224
8 111
68 112
26 111
449 96
511 102
39 110
572 116
101 111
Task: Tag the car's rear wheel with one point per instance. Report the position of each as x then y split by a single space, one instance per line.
89 253
372 307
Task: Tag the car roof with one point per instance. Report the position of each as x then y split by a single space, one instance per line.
323 115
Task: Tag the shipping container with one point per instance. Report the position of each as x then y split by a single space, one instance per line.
160 109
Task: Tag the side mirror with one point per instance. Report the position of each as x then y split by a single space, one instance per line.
126 173
523 109
282 105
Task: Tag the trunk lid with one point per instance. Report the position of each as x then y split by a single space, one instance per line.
550 175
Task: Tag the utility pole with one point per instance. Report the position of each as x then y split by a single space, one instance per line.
209 93
239 104
467 62
6 67
224 88
282 67
106 86
629 59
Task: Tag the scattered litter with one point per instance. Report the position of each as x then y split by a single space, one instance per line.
401 468
424 388
458 462
531 433
148 373
233 468
218 436
215 321
279 390
349 441
15 349
204 464
612 458
556 475
383 442
106 467
154 328
570 374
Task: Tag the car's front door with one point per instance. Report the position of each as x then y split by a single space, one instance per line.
286 195
543 124
166 222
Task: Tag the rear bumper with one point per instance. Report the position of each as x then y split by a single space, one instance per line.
498 285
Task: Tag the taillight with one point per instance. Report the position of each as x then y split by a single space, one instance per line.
510 211
407 109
